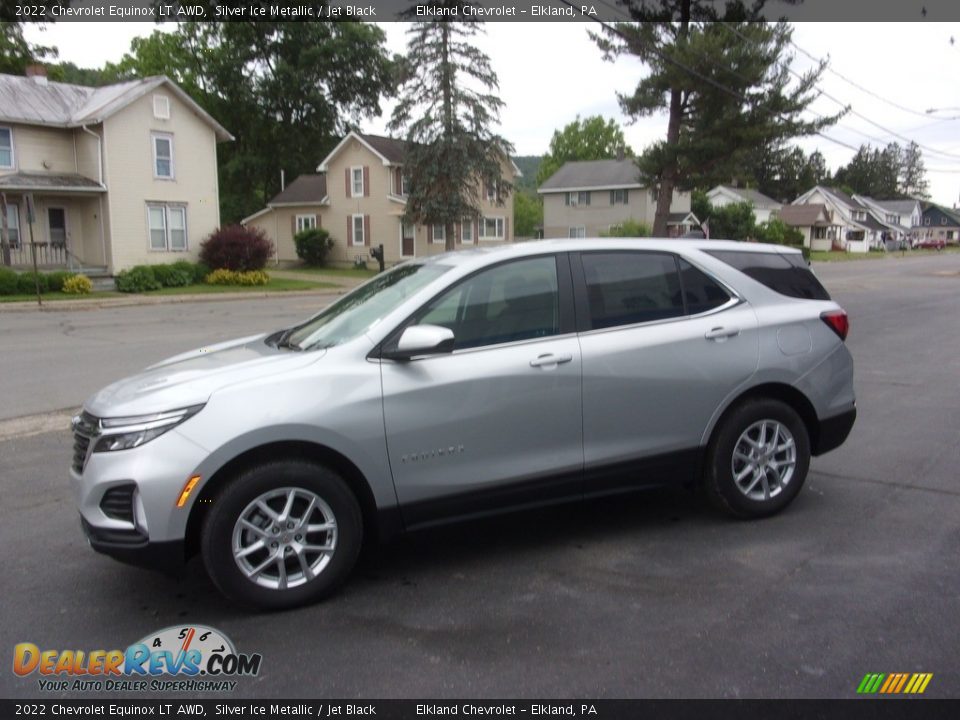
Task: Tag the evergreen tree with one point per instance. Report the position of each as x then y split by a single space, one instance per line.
913 173
725 86
446 112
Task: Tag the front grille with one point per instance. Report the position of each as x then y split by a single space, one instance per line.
117 503
85 428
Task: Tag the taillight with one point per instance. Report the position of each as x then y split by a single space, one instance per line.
838 321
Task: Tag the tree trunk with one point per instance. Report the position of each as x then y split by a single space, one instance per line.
668 177
449 241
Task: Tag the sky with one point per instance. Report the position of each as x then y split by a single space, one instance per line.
551 72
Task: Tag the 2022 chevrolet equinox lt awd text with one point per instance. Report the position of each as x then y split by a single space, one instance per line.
463 384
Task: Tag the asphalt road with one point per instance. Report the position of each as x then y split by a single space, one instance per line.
647 596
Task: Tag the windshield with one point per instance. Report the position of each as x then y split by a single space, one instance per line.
363 308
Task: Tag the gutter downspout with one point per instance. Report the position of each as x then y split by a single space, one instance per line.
103 236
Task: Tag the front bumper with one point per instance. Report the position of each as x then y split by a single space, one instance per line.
134 548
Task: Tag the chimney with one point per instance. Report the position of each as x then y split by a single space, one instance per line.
37 72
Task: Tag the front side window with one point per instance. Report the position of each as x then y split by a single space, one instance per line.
515 301
625 288
167 227
439 233
356 182
6 147
306 222
13 226
163 156
492 228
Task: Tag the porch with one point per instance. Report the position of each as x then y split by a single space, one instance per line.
67 231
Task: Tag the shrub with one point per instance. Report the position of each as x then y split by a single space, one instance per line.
57 278
236 248
77 285
776 231
173 276
138 279
8 282
628 229
27 283
223 276
313 246
198 271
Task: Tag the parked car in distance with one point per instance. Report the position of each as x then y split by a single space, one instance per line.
464 384
930 244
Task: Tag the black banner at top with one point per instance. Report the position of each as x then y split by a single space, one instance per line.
853 11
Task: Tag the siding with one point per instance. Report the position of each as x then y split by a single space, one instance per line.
558 217
34 146
130 181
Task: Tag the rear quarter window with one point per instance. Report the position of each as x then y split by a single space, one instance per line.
786 274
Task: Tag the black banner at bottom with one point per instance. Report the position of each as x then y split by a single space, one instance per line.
872 709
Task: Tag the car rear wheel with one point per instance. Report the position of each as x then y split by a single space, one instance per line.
282 534
758 459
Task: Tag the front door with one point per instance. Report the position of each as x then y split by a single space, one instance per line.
495 423
407 240
57 226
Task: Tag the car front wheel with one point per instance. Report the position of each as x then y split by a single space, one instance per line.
282 534
758 459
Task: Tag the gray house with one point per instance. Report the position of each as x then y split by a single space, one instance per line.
586 198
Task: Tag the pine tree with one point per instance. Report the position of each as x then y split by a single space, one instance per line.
913 174
725 86
447 110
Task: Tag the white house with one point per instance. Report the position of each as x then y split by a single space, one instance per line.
763 207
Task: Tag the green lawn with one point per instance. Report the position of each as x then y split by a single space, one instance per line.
840 256
275 285
332 272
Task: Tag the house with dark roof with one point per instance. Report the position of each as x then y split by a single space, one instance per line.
115 176
587 198
903 217
359 196
939 223
814 222
854 228
763 207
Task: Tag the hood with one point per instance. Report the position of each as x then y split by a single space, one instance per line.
192 377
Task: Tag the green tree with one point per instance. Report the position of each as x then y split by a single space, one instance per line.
875 172
735 221
725 86
591 139
279 88
913 173
15 52
447 110
527 214
776 231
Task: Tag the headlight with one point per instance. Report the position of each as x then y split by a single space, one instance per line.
129 432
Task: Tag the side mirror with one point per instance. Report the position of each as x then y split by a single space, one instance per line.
421 340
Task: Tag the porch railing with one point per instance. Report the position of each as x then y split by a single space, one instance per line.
48 255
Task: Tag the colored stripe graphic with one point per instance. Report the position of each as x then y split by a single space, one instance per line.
894 683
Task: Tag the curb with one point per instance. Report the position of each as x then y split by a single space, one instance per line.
136 300
28 425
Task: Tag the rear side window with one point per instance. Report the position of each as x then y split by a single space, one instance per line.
785 274
624 288
702 293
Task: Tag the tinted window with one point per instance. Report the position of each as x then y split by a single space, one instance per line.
701 293
624 288
776 271
510 302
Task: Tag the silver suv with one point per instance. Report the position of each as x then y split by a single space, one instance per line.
465 384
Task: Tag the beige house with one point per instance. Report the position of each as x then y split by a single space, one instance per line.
586 198
359 197
815 223
117 176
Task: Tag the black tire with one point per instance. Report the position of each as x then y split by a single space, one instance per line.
719 484
216 541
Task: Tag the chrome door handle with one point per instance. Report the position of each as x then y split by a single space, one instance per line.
550 359
721 333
